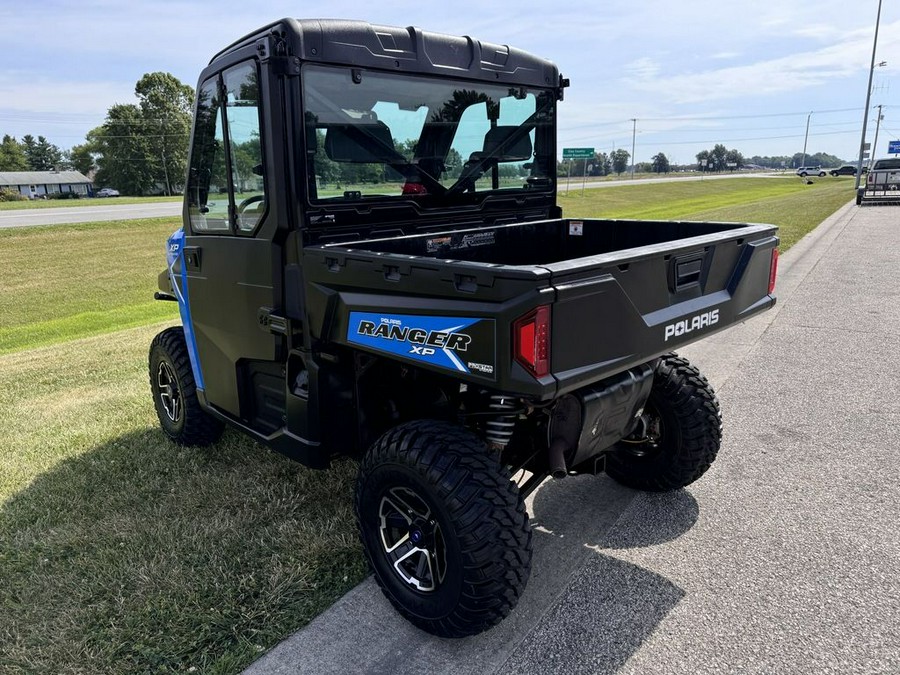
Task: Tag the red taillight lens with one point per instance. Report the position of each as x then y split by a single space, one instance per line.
773 271
531 341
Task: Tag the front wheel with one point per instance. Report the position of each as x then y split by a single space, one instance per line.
821 174
443 527
679 433
175 392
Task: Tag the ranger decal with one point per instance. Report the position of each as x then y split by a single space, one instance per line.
461 344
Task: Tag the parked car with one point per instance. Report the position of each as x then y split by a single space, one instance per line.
805 171
844 170
107 192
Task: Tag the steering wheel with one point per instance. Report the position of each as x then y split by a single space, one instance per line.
251 200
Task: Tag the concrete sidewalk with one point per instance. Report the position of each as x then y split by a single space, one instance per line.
785 557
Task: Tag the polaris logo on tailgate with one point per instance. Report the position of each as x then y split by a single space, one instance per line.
686 326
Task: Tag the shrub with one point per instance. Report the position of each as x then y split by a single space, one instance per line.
64 195
7 195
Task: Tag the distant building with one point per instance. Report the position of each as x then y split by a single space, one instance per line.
39 183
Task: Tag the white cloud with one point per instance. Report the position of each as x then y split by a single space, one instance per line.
644 68
771 76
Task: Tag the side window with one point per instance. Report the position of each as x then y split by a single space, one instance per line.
242 114
208 178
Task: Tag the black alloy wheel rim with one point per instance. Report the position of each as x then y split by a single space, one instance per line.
169 392
412 540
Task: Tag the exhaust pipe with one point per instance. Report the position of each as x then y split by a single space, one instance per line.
558 458
565 429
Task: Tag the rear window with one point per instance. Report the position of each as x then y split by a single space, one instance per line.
887 164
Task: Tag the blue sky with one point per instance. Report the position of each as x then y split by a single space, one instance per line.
693 73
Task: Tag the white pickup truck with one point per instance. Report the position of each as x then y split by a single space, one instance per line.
882 183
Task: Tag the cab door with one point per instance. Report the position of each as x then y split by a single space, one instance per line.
231 261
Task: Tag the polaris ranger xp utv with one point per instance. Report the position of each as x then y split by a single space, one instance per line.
373 263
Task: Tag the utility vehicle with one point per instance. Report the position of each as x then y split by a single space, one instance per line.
373 263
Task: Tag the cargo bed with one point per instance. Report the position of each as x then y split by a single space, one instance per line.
621 291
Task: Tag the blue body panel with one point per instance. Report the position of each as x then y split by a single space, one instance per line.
175 254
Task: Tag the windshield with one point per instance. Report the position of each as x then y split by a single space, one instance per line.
372 135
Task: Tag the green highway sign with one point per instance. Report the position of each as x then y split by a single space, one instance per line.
578 153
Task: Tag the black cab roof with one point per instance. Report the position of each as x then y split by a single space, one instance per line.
358 43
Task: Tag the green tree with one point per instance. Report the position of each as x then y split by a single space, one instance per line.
717 157
703 156
80 158
602 164
165 104
660 163
619 160
125 152
12 155
144 146
735 158
41 154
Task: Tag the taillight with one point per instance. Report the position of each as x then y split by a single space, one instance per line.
531 341
773 271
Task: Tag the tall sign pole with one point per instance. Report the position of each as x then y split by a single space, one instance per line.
862 140
577 153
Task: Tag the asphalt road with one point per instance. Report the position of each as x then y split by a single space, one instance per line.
87 214
784 558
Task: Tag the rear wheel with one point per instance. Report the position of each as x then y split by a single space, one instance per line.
175 392
679 433
443 527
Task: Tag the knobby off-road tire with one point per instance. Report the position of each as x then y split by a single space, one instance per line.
443 527
683 431
175 392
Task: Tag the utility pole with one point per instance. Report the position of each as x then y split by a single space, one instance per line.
862 140
633 134
875 142
806 138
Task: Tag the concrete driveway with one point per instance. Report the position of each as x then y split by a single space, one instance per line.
784 558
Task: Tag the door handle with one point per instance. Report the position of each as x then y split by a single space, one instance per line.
192 257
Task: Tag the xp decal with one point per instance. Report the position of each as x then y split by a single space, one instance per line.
460 344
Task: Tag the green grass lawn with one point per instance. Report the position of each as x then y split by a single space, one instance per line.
63 203
791 204
68 281
123 553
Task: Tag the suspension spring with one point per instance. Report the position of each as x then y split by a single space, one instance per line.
500 429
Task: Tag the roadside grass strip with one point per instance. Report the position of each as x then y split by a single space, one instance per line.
121 552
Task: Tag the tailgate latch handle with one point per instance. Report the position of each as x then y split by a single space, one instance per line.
687 273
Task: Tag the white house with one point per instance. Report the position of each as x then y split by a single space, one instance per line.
38 183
